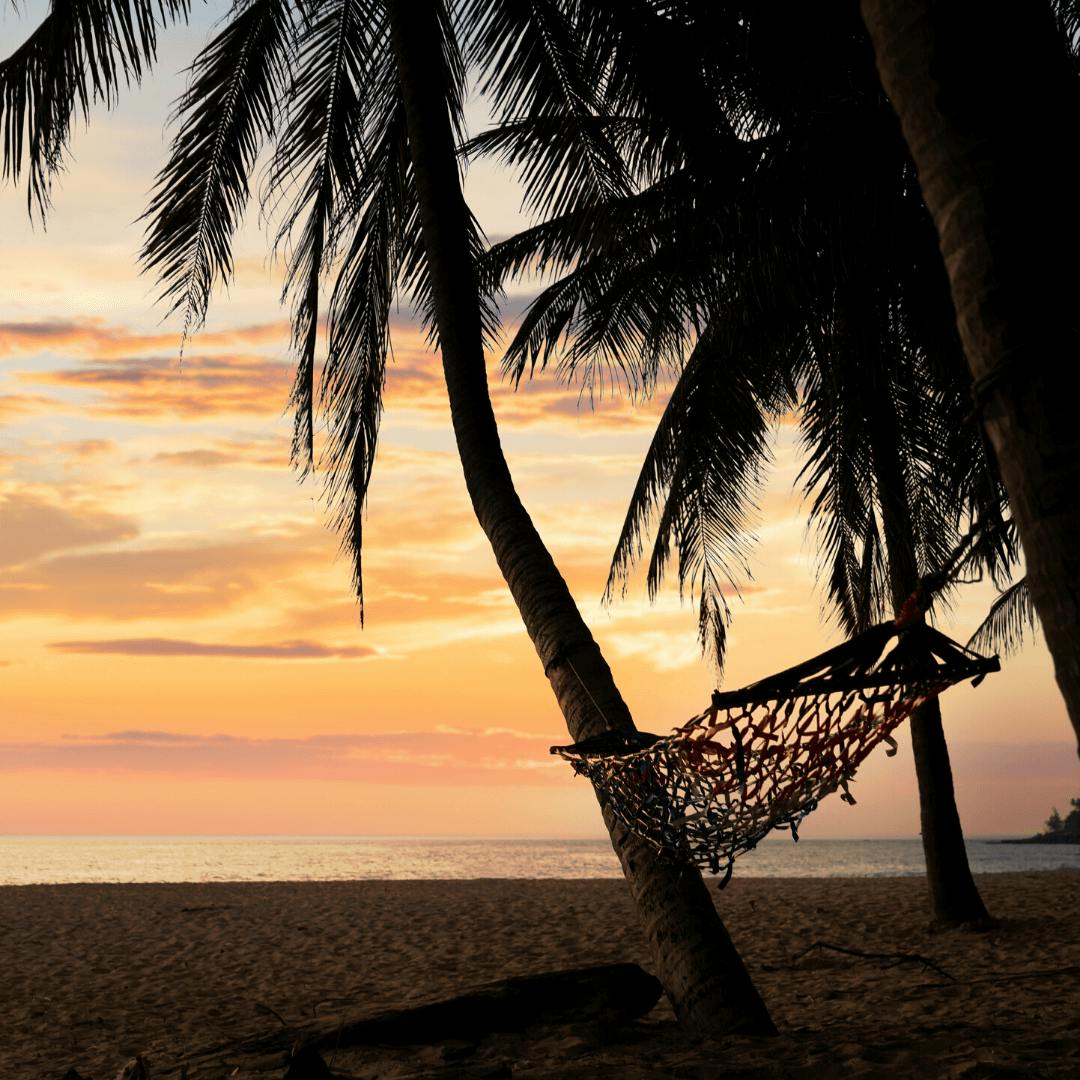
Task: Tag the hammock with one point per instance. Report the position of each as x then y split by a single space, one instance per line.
763 757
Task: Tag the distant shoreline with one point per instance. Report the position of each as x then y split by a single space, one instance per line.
87 860
1041 838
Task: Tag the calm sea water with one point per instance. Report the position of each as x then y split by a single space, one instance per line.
65 859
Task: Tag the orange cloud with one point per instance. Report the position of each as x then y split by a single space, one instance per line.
281 650
34 527
424 758
139 375
149 582
408 594
12 406
8 460
142 388
85 449
264 454
548 402
417 386
102 340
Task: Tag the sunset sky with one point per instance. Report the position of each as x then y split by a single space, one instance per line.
180 651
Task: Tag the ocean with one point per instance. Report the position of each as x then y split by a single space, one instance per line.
26 860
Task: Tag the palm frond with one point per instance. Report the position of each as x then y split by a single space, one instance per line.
377 226
699 481
200 195
413 268
317 156
665 66
1010 616
665 209
377 221
533 67
837 479
646 318
644 272
1067 17
416 282
454 64
352 393
80 53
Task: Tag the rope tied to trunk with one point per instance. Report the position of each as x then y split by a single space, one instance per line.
922 598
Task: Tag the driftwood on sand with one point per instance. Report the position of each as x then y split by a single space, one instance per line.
611 993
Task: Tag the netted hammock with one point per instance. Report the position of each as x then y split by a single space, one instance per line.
763 757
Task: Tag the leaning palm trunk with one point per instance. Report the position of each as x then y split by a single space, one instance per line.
988 106
695 959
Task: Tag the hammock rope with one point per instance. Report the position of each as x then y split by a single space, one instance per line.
763 757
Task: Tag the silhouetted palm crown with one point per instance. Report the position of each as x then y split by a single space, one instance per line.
772 255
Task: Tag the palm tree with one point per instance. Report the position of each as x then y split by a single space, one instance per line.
989 101
910 480
786 221
362 100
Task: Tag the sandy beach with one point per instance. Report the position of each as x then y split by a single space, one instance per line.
183 974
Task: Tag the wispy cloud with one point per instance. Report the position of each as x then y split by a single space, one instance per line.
453 756
162 581
14 406
229 453
416 388
245 370
280 650
34 526
100 339
664 650
152 386
85 449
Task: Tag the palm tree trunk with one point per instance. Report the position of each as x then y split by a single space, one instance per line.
988 104
695 959
954 897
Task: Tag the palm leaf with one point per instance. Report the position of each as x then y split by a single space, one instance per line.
377 226
317 157
80 53
1067 16
358 319
645 272
837 478
200 195
533 66
698 483
1010 616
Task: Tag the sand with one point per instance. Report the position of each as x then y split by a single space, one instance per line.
93 974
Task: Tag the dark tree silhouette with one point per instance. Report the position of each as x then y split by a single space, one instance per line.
989 100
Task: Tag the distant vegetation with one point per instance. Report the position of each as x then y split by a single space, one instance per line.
1059 830
1067 828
